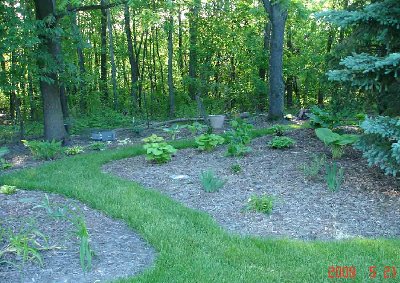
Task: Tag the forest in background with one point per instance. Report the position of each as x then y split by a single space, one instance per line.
68 60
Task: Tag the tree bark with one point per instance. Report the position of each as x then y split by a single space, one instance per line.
277 14
132 58
171 90
53 117
112 59
103 53
193 18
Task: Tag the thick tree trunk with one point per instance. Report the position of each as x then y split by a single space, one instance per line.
193 18
103 54
277 14
53 116
180 43
112 59
132 58
170 78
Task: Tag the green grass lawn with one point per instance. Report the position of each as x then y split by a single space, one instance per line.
191 246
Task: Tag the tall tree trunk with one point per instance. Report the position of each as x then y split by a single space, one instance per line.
193 19
81 62
12 94
32 107
180 43
132 58
289 91
112 59
103 54
277 14
53 116
170 78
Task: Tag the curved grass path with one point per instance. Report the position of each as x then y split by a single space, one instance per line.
191 246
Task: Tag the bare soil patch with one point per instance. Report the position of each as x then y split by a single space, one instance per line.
118 251
367 205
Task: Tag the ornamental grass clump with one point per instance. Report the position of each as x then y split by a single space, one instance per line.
210 182
157 150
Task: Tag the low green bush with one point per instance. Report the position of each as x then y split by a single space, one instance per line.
335 141
157 150
208 142
281 142
74 150
236 169
263 204
44 150
239 138
322 119
8 190
97 146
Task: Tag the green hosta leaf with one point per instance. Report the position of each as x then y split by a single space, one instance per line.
327 136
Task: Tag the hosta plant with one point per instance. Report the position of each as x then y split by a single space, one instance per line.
74 150
208 142
157 150
335 141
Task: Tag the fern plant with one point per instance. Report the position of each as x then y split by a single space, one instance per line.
380 143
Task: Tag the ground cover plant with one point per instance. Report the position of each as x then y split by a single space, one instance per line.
281 142
210 182
208 142
44 150
263 204
189 243
157 150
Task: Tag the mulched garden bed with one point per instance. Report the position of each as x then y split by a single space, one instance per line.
367 205
118 251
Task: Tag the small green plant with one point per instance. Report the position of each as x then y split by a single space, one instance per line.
322 119
85 251
153 139
335 141
97 146
334 177
74 150
25 245
311 170
173 131
278 130
3 163
44 150
157 150
281 142
239 138
8 190
54 211
210 182
208 142
196 128
263 204
236 168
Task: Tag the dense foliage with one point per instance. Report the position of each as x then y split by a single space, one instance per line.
381 143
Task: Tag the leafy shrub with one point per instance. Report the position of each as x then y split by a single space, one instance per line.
239 137
157 150
97 146
335 141
43 149
334 177
173 131
263 204
8 190
210 182
74 150
278 130
322 119
312 169
380 143
281 142
3 163
208 142
196 128
236 169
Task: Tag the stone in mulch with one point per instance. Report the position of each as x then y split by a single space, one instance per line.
118 251
365 206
